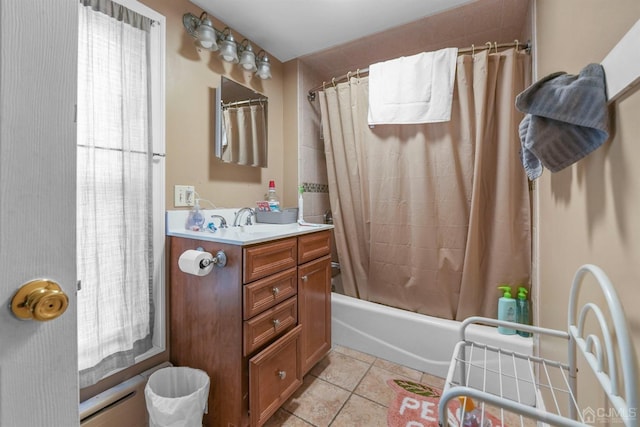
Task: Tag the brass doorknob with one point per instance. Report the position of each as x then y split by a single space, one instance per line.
40 300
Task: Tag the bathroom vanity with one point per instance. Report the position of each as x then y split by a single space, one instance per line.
256 325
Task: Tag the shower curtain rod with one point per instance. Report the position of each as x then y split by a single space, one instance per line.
311 96
234 104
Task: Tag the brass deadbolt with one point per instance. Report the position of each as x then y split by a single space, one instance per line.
40 300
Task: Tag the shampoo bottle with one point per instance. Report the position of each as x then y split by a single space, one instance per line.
522 310
506 310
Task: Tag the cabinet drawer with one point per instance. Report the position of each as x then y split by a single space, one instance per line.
313 245
261 329
267 292
269 258
274 375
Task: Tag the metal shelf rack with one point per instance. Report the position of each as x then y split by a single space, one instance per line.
535 388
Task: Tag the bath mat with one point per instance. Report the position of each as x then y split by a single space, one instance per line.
416 405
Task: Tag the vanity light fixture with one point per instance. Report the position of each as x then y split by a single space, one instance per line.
228 47
264 66
247 57
202 30
209 38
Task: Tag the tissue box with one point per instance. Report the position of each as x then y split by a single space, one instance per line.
287 216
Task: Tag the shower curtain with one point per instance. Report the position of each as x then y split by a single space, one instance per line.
245 132
432 218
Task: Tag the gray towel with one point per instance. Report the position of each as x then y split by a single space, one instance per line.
566 119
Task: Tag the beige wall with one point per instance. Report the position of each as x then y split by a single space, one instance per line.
589 213
191 79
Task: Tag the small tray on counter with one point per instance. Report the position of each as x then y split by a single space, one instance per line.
286 216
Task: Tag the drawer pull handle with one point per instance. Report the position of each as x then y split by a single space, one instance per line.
305 278
275 291
276 323
282 374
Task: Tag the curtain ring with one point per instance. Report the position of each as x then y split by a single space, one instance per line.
489 46
323 85
517 44
495 44
358 72
473 50
333 81
348 75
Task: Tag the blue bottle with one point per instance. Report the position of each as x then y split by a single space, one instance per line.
506 310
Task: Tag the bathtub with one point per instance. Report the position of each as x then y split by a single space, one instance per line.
420 342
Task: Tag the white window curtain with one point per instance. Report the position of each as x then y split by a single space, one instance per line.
114 194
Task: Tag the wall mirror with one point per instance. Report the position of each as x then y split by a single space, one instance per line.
241 125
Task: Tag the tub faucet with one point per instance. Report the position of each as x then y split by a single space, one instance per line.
236 220
223 221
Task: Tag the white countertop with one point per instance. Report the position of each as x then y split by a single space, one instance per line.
243 235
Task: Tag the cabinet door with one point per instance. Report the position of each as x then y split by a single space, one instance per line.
314 310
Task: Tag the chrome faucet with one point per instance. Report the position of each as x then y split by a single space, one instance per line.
236 220
223 221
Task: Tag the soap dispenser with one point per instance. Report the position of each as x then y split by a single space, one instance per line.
195 220
506 310
522 310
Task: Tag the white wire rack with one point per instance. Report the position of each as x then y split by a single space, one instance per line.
545 390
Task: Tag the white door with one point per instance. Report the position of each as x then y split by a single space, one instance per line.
38 360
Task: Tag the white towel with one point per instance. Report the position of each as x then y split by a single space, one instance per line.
412 89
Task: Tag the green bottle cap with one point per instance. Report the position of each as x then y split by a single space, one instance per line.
522 293
301 189
507 291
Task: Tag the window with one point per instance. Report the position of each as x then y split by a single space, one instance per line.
120 193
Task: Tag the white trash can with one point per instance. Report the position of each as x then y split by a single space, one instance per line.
177 397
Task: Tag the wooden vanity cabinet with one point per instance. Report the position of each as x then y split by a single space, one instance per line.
256 326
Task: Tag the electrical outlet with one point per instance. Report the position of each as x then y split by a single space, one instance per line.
184 195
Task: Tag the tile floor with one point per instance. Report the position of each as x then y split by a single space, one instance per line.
345 389
349 389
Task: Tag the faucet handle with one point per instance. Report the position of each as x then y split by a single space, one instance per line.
223 221
251 213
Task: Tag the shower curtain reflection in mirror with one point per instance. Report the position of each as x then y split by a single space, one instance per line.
241 127
244 130
431 218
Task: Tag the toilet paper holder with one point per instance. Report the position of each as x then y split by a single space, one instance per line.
218 260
